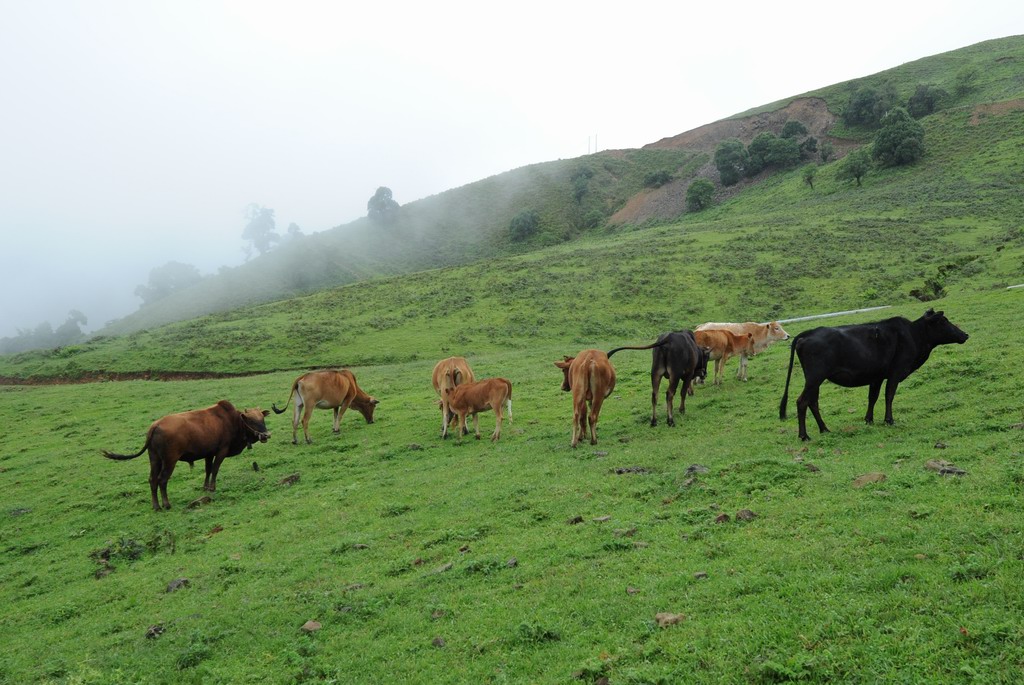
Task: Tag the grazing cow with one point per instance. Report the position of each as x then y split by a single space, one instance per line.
473 398
591 378
328 389
449 373
722 344
865 354
210 434
764 335
676 356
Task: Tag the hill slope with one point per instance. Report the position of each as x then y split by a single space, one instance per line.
572 197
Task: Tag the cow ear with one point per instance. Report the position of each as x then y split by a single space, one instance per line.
376 402
266 413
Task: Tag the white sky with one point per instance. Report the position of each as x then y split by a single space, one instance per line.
134 133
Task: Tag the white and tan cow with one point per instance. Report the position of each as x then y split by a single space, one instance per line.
448 374
763 335
723 344
327 389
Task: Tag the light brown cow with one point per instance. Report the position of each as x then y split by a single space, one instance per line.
723 344
764 335
327 389
449 373
209 434
473 398
591 378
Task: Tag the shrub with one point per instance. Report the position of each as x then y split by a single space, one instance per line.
656 179
731 160
700 195
524 224
900 140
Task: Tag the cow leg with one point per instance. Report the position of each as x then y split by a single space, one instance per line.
873 391
208 467
890 393
720 370
446 418
655 384
154 479
296 417
685 380
741 373
337 421
670 394
809 398
476 424
595 411
305 421
497 423
165 475
217 461
579 421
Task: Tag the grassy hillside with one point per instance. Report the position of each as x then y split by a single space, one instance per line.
526 561
572 197
428 561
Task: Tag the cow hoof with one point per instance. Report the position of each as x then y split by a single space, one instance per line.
654 422
478 437
805 438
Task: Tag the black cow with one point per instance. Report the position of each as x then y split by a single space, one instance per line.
865 354
676 357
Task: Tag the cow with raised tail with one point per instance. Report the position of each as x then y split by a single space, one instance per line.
327 389
677 357
210 434
865 354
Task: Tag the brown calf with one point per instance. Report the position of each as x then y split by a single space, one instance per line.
472 398
723 344
210 434
764 334
329 389
449 373
591 378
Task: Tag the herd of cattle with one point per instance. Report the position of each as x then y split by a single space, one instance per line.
850 356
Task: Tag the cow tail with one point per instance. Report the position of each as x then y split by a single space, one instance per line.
123 457
645 347
508 402
285 407
785 394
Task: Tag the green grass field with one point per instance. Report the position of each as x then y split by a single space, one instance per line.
525 561
431 561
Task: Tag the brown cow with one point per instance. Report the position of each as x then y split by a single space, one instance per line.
473 398
449 373
210 434
764 335
328 389
591 378
722 344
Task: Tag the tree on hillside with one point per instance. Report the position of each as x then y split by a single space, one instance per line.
70 332
793 129
767 150
925 100
855 166
808 174
44 337
700 195
260 228
966 80
900 140
731 161
825 151
294 231
382 207
167 279
867 105
524 224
